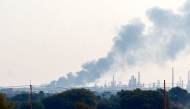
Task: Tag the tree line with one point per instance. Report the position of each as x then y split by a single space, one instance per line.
177 98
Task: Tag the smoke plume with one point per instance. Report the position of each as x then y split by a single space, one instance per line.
165 40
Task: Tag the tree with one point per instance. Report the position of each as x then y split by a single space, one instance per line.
21 97
5 104
22 100
35 105
25 97
115 99
141 99
107 104
81 105
179 96
69 98
98 97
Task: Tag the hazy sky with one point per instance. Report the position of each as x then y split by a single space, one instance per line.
44 40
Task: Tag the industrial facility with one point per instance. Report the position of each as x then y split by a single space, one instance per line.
113 86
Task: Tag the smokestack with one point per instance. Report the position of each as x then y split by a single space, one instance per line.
139 78
188 81
158 83
113 83
133 80
180 81
172 77
105 85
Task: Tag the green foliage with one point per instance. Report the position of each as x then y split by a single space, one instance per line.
25 97
176 107
5 104
20 97
107 104
35 105
69 98
85 99
140 99
179 96
115 99
81 105
22 100
38 96
98 97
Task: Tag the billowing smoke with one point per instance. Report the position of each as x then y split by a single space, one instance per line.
165 40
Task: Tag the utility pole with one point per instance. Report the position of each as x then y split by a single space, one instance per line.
30 96
164 95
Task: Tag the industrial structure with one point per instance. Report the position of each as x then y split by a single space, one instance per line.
113 83
188 81
114 86
172 77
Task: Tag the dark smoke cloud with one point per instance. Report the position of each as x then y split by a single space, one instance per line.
172 31
168 37
186 7
130 38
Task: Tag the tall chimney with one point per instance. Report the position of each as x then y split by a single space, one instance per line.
139 78
180 81
113 82
158 83
172 77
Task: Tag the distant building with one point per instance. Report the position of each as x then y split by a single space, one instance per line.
132 82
